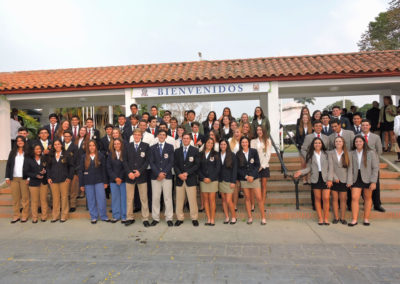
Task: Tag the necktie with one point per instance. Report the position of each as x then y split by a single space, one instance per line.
173 133
366 139
66 147
52 132
160 148
195 138
74 131
338 134
152 131
90 134
326 129
184 153
45 145
319 136
136 146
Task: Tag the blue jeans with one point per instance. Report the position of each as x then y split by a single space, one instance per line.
118 200
96 199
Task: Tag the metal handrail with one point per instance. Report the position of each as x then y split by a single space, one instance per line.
285 172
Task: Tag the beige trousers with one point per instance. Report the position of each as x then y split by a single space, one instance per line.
59 192
74 191
20 196
164 186
130 195
191 192
39 197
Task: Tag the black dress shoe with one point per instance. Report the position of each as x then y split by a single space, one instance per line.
93 222
129 222
15 221
321 223
178 223
201 210
146 224
114 221
195 223
366 223
53 221
106 220
335 221
207 224
43 220
63 220
34 221
380 209
123 221
226 222
233 222
326 223
352 225
344 222
72 209
170 224
154 223
211 224
24 221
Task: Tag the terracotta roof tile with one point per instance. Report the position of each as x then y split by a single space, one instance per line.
271 68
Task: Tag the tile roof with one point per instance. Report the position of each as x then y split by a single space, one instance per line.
341 65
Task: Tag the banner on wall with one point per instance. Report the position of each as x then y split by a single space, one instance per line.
199 90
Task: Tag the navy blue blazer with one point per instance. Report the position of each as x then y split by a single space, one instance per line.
10 165
209 167
248 167
163 163
115 169
73 152
48 127
32 169
137 160
104 143
61 170
189 165
92 175
228 174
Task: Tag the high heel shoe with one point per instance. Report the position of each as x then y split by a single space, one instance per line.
226 222
233 222
249 221
263 222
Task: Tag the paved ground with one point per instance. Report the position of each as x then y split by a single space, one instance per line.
281 252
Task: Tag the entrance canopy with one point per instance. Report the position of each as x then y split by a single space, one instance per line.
264 79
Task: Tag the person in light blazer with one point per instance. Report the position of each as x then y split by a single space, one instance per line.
93 180
35 170
338 131
16 179
318 165
365 176
341 175
210 165
60 172
263 146
136 161
227 180
161 164
186 165
117 179
248 167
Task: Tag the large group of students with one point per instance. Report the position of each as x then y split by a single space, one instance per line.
165 164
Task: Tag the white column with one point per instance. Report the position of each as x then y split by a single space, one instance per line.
271 108
110 115
5 137
128 101
383 94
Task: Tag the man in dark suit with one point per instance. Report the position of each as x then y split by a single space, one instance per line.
53 126
154 113
134 111
121 123
326 127
198 138
344 122
75 126
136 161
356 127
105 141
173 127
44 140
186 165
72 151
93 133
161 163
130 127
153 126
191 116
373 116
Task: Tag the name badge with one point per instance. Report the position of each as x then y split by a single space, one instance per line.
142 154
211 159
251 161
165 156
191 159
86 173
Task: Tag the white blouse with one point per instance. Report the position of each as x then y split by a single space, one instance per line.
318 157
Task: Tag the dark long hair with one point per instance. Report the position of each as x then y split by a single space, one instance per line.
262 116
229 115
365 148
311 149
241 157
32 154
112 149
25 148
228 154
87 157
215 116
213 153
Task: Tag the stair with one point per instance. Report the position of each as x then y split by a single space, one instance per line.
280 202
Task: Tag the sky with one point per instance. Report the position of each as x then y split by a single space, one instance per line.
48 34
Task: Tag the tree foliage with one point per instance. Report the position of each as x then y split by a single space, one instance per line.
384 32
304 101
348 104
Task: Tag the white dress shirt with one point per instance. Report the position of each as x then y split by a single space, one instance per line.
359 158
339 156
223 155
318 157
18 165
246 154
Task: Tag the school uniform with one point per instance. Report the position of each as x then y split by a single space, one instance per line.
196 137
248 167
356 129
52 129
363 175
152 131
115 169
45 145
104 144
58 171
344 122
210 166
128 131
327 130
207 127
136 157
227 175
93 179
299 138
338 172
173 133
162 160
319 167
347 135
38 188
72 150
75 131
186 160
263 122
264 153
19 188
94 134
308 140
225 133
